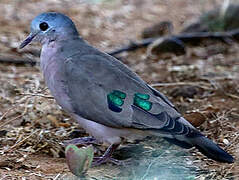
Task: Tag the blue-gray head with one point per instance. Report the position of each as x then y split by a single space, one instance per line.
49 26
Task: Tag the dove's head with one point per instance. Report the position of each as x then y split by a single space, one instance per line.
50 26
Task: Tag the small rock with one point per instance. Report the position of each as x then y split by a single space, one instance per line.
53 120
184 91
225 141
3 133
195 118
159 29
167 45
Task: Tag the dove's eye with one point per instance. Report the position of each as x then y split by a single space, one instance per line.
43 26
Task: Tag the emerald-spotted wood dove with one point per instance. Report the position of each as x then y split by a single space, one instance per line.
106 98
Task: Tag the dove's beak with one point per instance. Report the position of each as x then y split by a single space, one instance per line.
27 40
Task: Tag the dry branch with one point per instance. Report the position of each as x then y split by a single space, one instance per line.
16 60
187 38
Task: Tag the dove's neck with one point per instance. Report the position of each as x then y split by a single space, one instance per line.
57 51
49 50
60 46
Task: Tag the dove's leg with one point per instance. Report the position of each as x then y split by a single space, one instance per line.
107 135
81 141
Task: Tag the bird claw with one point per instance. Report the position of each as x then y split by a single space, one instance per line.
106 157
101 160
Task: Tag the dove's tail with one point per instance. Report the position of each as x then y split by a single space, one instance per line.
211 150
180 132
204 145
185 135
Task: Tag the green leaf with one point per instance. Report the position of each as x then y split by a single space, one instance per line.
79 159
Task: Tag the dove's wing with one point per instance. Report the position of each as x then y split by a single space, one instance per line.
104 90
134 76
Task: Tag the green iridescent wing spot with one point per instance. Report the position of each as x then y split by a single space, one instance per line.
142 96
140 100
115 100
119 94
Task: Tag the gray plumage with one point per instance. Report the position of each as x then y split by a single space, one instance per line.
106 98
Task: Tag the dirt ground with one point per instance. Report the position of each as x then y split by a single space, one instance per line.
33 127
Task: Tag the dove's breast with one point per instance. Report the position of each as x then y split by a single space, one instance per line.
54 79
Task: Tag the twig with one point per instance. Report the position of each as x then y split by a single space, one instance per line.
182 84
233 176
13 119
229 170
232 141
4 114
14 106
5 123
19 61
40 95
22 141
232 95
57 176
133 46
